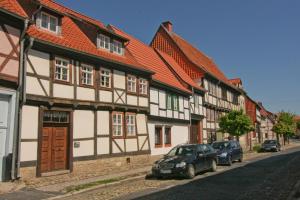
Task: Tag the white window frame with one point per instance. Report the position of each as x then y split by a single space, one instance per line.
84 80
106 42
48 22
106 77
143 86
175 99
169 102
117 123
118 47
61 69
130 124
131 83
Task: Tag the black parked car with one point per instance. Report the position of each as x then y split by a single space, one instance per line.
228 151
186 160
271 145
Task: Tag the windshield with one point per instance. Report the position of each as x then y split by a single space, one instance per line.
270 142
182 151
220 145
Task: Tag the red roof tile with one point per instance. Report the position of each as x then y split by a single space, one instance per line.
147 56
235 81
13 6
178 70
74 38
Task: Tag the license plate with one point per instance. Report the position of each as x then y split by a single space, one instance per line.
165 171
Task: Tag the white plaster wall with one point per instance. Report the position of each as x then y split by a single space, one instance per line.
131 145
180 100
169 114
132 100
186 103
63 91
86 148
143 101
103 146
153 95
186 114
117 99
141 142
119 79
103 122
179 135
34 87
162 99
40 62
115 148
28 151
29 126
141 123
87 94
154 110
105 96
83 126
162 113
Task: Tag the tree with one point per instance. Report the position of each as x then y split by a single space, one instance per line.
236 123
298 125
285 125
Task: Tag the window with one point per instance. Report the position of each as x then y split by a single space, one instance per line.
55 117
167 138
117 124
86 74
143 86
130 124
118 47
169 102
105 78
131 83
104 42
49 22
175 102
62 69
224 94
235 99
158 136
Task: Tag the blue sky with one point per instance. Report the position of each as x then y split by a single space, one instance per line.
256 40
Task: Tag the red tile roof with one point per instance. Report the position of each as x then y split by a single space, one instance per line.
147 56
13 6
197 57
297 118
74 38
178 70
235 81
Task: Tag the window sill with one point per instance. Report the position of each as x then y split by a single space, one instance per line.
62 82
168 145
158 146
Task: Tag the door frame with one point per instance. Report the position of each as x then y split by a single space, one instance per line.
69 136
11 124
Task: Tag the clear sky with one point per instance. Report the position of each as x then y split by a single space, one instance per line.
258 41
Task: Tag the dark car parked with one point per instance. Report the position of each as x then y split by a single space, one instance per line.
228 151
271 145
186 160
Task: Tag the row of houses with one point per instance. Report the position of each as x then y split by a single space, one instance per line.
74 89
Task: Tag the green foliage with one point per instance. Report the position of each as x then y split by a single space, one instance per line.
257 148
298 125
285 124
236 123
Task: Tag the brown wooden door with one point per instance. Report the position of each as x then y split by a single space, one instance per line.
194 134
54 149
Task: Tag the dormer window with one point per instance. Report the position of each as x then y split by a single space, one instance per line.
103 42
48 22
118 47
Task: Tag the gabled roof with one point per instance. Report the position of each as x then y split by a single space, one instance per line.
14 7
147 57
235 81
178 70
196 56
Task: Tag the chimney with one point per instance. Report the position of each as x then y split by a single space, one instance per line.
168 25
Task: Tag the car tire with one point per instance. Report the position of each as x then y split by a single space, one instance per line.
229 161
213 166
190 171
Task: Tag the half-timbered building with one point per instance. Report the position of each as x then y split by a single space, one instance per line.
267 123
171 90
85 92
12 25
221 97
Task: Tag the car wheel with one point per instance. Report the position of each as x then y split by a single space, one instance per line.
229 161
214 166
190 171
241 158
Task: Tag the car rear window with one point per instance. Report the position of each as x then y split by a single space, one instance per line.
270 142
220 145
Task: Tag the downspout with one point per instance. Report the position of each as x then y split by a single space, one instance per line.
17 108
190 116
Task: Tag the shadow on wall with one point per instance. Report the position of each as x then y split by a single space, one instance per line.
259 180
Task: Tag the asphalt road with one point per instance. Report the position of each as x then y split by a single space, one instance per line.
271 178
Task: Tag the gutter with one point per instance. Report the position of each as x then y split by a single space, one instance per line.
14 172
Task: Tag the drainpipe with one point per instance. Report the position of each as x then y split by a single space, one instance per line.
17 110
190 115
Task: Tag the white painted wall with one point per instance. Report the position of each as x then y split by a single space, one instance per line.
83 126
